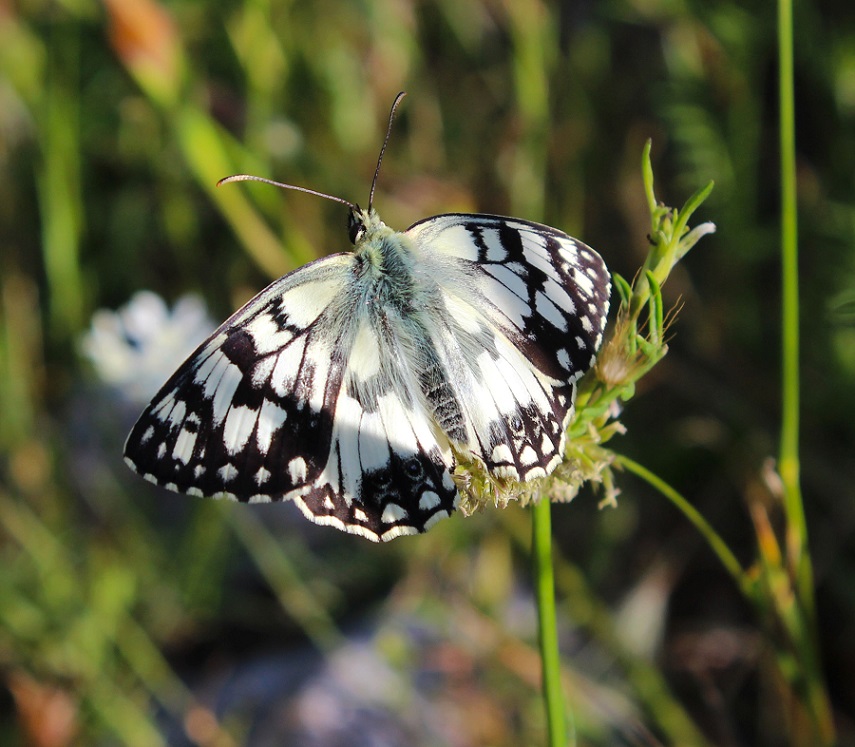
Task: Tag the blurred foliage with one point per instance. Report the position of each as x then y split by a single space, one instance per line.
125 612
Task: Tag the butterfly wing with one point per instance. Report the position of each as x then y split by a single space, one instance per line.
522 316
286 401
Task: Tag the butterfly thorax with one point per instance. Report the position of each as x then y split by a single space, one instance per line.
384 264
400 305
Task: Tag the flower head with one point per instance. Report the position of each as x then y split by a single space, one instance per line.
136 348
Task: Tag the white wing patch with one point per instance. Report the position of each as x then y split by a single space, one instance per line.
348 385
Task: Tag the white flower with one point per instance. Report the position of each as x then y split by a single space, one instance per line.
136 348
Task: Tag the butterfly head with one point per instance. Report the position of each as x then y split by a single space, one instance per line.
356 224
364 225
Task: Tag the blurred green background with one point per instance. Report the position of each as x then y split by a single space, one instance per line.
133 616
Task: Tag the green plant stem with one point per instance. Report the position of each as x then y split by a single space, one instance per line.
789 465
798 553
553 695
59 186
714 540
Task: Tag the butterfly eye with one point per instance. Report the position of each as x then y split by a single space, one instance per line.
355 227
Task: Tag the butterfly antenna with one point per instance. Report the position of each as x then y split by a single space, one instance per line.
383 149
250 178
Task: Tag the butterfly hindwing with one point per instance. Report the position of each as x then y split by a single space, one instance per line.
386 460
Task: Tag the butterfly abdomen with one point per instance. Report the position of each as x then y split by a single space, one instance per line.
441 398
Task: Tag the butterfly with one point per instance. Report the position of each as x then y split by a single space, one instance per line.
354 385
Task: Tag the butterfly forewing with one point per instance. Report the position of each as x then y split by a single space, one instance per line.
526 306
278 404
347 386
236 418
547 291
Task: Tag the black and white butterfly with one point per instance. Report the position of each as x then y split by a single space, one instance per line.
352 385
